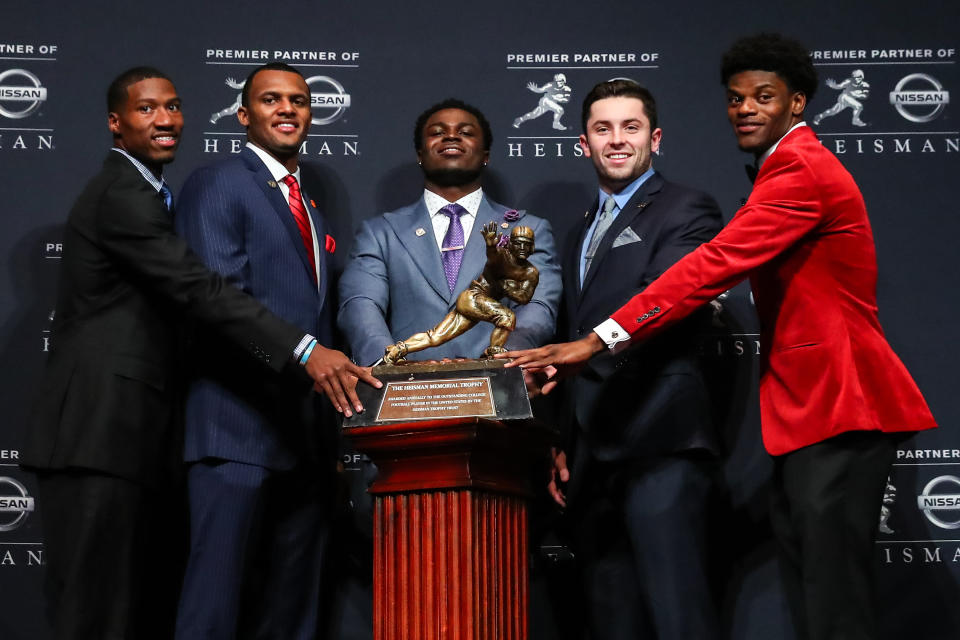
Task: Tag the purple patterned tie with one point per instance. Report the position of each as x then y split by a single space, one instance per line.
452 249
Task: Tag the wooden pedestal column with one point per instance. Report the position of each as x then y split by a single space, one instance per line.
450 527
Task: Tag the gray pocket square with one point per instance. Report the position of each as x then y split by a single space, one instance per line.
627 236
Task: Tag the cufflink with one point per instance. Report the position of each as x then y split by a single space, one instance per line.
615 334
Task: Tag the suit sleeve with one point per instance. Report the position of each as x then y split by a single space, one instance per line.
781 210
136 231
537 320
365 298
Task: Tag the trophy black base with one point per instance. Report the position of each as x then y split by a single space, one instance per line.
437 391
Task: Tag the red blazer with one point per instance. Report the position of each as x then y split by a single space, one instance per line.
804 240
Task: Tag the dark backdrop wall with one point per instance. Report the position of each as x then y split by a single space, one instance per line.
373 66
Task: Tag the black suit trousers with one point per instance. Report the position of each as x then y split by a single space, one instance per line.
825 511
115 552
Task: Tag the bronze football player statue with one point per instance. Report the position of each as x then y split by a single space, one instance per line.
507 274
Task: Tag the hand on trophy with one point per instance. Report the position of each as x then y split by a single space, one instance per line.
335 376
555 361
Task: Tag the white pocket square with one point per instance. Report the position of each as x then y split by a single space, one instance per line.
627 236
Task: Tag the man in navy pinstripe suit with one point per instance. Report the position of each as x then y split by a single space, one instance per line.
260 451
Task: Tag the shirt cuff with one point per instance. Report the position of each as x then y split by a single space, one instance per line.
616 338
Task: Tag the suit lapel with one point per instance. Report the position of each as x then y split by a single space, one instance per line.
321 230
271 190
422 247
571 266
634 207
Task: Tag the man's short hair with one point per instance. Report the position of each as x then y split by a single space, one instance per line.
452 103
772 52
117 91
620 88
270 66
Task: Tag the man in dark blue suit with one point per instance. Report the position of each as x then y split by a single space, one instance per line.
261 452
640 435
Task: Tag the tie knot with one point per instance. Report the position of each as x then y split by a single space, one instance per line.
609 205
453 210
291 182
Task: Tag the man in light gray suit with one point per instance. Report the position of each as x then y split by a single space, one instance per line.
396 284
408 266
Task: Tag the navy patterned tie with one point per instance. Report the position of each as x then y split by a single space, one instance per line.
452 249
167 196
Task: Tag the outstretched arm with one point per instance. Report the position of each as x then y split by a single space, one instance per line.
493 238
207 220
781 210
335 376
551 363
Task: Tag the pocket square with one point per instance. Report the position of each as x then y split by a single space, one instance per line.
627 236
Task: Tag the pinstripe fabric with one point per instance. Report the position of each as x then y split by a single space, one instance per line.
254 437
242 228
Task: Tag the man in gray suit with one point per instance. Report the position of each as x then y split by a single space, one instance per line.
396 284
408 266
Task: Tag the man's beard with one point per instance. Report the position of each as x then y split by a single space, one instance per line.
452 177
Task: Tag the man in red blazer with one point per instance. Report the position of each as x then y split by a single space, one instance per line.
834 398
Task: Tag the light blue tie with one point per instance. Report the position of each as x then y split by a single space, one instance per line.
604 220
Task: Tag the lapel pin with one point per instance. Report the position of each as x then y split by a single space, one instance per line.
642 205
272 184
421 232
313 204
586 214
505 225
